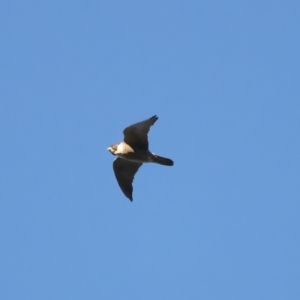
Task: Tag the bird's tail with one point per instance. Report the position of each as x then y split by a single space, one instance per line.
162 160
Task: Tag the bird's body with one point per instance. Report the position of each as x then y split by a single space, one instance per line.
127 152
132 153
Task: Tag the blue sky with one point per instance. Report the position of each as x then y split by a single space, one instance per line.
224 79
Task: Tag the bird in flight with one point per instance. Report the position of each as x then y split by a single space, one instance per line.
132 153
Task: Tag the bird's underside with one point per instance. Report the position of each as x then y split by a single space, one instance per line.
132 153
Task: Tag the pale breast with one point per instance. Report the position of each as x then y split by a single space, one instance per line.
126 152
124 148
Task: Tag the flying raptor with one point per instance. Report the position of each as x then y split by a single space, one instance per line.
132 153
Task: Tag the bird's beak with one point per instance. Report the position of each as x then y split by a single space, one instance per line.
110 149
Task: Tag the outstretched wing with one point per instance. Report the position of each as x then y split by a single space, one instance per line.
136 135
124 172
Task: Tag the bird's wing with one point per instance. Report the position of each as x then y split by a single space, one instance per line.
124 172
136 135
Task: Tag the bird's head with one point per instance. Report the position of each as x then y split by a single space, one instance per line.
112 149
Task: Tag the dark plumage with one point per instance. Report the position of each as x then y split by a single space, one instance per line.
132 153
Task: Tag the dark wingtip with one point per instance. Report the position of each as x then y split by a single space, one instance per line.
154 119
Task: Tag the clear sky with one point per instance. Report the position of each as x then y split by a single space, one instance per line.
224 79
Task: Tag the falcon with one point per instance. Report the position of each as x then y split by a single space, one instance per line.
132 153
